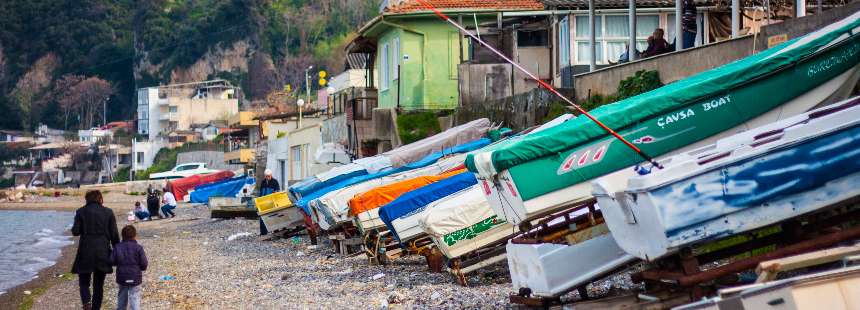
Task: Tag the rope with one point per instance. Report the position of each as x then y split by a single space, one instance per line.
540 82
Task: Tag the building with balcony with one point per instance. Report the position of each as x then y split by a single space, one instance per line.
416 55
164 109
242 138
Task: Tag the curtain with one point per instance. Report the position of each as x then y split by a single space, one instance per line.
582 26
614 49
583 54
645 25
564 42
617 26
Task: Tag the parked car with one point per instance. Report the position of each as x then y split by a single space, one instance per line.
181 171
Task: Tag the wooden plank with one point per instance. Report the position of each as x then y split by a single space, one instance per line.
768 270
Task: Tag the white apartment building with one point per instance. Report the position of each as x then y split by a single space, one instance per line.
164 109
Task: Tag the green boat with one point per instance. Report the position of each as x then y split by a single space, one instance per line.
545 172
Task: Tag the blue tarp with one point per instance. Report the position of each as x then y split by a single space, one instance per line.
416 200
424 162
225 188
312 184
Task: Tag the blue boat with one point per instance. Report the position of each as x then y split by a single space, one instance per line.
764 176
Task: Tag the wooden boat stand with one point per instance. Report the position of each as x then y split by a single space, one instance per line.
476 259
381 247
345 239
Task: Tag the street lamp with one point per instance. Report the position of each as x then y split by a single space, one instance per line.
300 103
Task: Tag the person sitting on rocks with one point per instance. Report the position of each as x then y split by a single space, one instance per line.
140 212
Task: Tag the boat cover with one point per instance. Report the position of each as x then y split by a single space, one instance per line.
224 188
424 162
457 212
449 138
385 194
358 167
415 201
650 104
180 187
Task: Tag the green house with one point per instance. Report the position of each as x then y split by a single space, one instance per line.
415 54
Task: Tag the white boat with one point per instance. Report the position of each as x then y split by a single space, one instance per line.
837 289
463 223
332 209
545 173
761 177
401 215
584 253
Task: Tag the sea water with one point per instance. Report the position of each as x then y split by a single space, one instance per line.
29 242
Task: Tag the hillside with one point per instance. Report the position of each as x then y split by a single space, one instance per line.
60 58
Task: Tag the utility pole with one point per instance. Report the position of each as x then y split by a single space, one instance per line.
104 111
307 93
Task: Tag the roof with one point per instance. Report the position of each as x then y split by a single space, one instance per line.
411 6
583 4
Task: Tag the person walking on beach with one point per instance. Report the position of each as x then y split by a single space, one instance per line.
169 204
96 225
267 187
130 261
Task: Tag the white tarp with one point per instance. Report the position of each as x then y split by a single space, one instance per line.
414 151
372 164
337 202
331 153
456 212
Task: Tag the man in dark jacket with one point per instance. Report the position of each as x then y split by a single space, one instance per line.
267 187
96 225
152 202
130 261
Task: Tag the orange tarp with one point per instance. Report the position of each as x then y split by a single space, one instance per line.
382 195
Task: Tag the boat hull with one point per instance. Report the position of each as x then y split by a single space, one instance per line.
548 184
473 238
550 270
284 219
815 166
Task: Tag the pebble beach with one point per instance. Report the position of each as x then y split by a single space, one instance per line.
201 263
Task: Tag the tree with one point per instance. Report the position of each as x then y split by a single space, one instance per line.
86 96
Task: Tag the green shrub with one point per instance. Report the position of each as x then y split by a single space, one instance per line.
416 126
640 82
122 174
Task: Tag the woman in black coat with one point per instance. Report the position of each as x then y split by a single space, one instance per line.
96 225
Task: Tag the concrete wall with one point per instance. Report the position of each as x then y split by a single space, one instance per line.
481 83
201 111
678 65
212 159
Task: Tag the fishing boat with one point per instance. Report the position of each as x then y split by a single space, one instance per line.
401 215
393 161
333 209
464 222
548 171
800 165
426 161
564 251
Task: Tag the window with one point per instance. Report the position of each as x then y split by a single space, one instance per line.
396 58
282 170
611 35
140 158
385 68
186 167
173 109
564 42
296 163
526 38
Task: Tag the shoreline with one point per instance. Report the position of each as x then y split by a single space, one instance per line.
46 278
60 271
